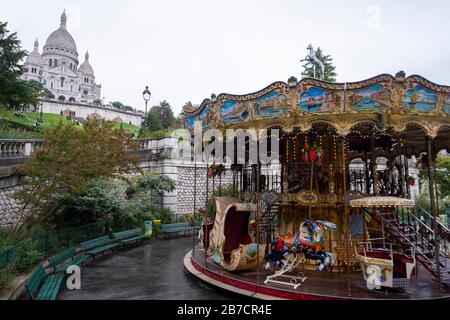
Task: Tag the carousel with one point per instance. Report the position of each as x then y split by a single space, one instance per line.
332 216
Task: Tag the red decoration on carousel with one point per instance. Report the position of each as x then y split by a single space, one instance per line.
215 170
312 154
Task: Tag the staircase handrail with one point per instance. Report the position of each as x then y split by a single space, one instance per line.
444 227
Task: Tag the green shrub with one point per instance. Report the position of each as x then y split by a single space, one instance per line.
27 256
6 275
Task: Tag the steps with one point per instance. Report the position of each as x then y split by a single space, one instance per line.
417 230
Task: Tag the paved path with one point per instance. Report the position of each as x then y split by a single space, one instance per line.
153 271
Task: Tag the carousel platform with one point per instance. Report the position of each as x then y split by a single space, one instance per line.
318 286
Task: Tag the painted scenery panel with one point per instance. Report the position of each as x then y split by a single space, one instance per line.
205 117
317 100
190 122
419 99
233 112
271 105
447 106
374 98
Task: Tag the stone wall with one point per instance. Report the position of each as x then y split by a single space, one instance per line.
185 187
9 207
83 110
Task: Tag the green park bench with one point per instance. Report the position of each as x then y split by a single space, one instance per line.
98 245
128 236
57 262
48 290
171 228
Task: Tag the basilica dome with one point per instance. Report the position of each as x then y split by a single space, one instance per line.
35 57
86 67
61 38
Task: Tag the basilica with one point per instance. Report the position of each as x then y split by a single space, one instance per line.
72 85
58 68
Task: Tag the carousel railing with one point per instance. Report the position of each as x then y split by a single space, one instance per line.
412 231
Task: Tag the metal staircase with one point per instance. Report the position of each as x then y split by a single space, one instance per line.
416 229
269 210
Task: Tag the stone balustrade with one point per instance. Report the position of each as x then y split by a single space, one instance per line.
16 151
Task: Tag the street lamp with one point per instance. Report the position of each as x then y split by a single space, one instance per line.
41 95
147 95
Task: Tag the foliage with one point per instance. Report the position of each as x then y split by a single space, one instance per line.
120 106
70 158
124 203
6 275
27 256
151 124
327 60
442 174
163 113
442 181
13 91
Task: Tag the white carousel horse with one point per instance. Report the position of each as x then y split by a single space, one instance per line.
318 65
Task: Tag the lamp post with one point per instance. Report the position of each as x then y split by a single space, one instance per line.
147 95
41 95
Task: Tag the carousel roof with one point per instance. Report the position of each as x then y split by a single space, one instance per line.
385 101
381 201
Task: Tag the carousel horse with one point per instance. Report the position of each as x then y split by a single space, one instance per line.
276 256
309 241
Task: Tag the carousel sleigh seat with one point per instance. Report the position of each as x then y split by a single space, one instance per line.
230 242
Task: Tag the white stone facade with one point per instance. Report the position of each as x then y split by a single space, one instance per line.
73 86
58 69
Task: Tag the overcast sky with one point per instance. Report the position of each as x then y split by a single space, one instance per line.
187 49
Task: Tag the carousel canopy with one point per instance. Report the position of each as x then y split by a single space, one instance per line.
401 108
381 201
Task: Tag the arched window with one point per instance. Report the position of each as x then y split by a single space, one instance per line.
51 85
55 62
62 82
62 98
72 99
50 62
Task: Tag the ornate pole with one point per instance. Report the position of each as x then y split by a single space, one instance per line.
195 202
434 210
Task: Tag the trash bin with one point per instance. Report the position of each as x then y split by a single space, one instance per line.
157 226
148 227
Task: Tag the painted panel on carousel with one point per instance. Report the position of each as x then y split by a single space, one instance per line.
317 100
233 112
447 106
205 117
271 105
374 98
419 99
190 122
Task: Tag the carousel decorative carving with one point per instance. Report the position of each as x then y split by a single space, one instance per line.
301 104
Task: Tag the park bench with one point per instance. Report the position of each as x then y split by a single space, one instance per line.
185 227
128 236
48 290
98 245
57 262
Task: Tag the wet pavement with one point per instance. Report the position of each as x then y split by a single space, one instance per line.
152 271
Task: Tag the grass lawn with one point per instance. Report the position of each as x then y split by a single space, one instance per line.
28 120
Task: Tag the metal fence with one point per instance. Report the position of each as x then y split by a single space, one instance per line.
48 242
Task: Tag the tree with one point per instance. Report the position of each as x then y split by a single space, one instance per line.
163 113
327 60
13 91
152 123
442 175
118 105
71 157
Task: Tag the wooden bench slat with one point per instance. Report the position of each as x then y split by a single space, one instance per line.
50 288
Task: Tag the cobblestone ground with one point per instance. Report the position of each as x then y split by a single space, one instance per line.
152 271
